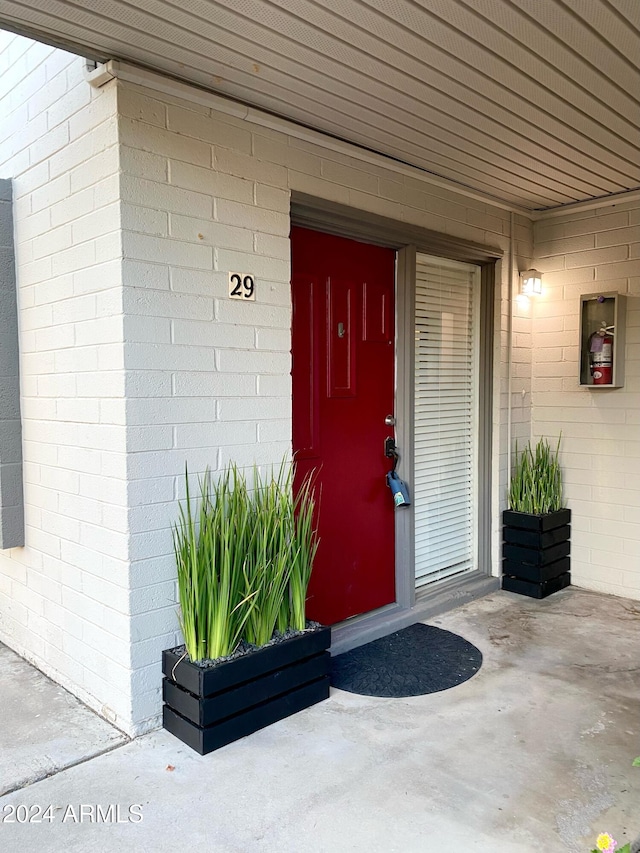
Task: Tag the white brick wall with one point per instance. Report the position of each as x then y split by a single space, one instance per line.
204 194
584 253
64 598
132 208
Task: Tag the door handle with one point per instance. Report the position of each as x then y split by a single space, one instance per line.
391 451
398 487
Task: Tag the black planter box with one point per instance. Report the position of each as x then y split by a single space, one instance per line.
528 521
536 590
536 538
535 552
205 711
210 707
536 574
536 556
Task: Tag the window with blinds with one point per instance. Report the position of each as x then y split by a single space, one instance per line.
446 417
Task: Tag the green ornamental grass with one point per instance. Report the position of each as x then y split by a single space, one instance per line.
270 555
536 483
215 597
306 545
244 559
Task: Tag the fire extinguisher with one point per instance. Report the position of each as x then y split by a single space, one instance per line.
601 355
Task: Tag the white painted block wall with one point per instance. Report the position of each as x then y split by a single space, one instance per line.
205 193
587 252
129 217
64 598
130 213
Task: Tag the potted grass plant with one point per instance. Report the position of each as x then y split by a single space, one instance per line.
536 527
244 558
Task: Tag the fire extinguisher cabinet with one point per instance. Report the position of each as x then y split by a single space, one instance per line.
602 333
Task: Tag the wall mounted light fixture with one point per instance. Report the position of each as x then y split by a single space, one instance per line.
531 283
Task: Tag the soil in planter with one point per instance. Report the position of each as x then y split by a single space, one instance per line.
245 648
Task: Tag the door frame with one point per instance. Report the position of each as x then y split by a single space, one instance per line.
333 218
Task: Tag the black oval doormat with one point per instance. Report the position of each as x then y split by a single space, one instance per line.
416 660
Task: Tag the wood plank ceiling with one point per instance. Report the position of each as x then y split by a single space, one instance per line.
535 102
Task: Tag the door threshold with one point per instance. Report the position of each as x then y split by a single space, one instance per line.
430 601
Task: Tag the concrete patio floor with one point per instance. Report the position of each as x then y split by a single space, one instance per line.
44 729
534 753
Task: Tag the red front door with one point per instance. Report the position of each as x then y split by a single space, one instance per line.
343 389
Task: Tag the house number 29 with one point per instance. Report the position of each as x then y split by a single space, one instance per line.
241 286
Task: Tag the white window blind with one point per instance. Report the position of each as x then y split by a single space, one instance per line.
446 401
